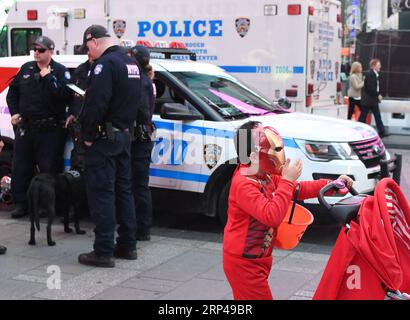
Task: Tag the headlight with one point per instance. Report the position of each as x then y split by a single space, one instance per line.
326 151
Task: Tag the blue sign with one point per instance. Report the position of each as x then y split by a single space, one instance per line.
186 28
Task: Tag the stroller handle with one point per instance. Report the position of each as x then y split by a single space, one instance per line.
335 185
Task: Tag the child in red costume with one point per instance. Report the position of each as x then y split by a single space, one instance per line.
260 194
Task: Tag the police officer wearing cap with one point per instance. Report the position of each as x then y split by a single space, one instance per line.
142 147
37 99
111 105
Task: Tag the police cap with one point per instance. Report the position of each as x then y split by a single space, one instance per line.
45 43
94 31
141 54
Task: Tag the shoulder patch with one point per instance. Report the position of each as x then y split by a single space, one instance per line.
98 69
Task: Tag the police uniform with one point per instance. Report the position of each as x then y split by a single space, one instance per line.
39 138
111 104
80 79
141 149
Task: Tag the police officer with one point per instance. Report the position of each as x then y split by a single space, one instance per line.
142 145
111 105
80 79
37 100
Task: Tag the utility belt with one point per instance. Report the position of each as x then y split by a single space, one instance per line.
43 125
144 132
107 131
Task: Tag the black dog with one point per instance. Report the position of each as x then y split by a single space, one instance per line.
51 193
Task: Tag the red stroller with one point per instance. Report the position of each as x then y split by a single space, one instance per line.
371 257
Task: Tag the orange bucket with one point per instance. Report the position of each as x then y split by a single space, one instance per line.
291 230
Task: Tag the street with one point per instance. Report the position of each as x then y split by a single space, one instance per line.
181 262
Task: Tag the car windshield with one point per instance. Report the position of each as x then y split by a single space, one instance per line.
226 95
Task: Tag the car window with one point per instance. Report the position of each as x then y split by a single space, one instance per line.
166 93
228 97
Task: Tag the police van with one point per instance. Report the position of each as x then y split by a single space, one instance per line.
283 47
198 108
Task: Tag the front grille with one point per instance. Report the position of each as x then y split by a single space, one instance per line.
370 151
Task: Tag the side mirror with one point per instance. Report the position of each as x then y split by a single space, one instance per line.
178 111
284 103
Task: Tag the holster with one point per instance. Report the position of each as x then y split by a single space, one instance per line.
143 132
77 136
106 131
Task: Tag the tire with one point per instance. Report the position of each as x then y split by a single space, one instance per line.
223 203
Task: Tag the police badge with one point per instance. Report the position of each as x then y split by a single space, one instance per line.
119 28
212 154
242 26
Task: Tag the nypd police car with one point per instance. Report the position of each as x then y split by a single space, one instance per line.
197 111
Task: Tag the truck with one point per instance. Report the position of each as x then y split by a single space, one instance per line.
198 109
283 48
392 47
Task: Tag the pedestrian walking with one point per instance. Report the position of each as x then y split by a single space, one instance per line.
371 96
262 187
37 100
111 105
142 145
356 82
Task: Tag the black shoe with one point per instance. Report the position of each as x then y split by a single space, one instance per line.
125 254
144 237
18 212
3 249
91 259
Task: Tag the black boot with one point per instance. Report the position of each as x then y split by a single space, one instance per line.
3 249
91 259
125 254
143 237
19 211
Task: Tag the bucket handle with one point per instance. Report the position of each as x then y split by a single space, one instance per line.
294 203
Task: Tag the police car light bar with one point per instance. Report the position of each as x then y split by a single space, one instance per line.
172 53
175 50
144 43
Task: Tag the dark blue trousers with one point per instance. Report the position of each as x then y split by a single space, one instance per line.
141 160
365 109
34 149
109 191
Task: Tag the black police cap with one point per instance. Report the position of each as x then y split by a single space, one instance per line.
141 54
45 43
94 31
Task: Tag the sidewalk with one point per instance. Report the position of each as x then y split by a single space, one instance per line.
174 265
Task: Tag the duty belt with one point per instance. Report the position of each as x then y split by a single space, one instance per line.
46 124
107 130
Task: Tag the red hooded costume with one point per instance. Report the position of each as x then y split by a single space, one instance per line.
255 211
374 255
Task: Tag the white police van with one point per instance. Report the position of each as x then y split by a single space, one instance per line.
197 111
283 47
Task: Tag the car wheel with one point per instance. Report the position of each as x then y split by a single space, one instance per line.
223 203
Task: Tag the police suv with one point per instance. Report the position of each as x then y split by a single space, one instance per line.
197 111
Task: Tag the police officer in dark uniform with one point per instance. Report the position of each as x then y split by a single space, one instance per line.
111 105
37 99
80 78
141 147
